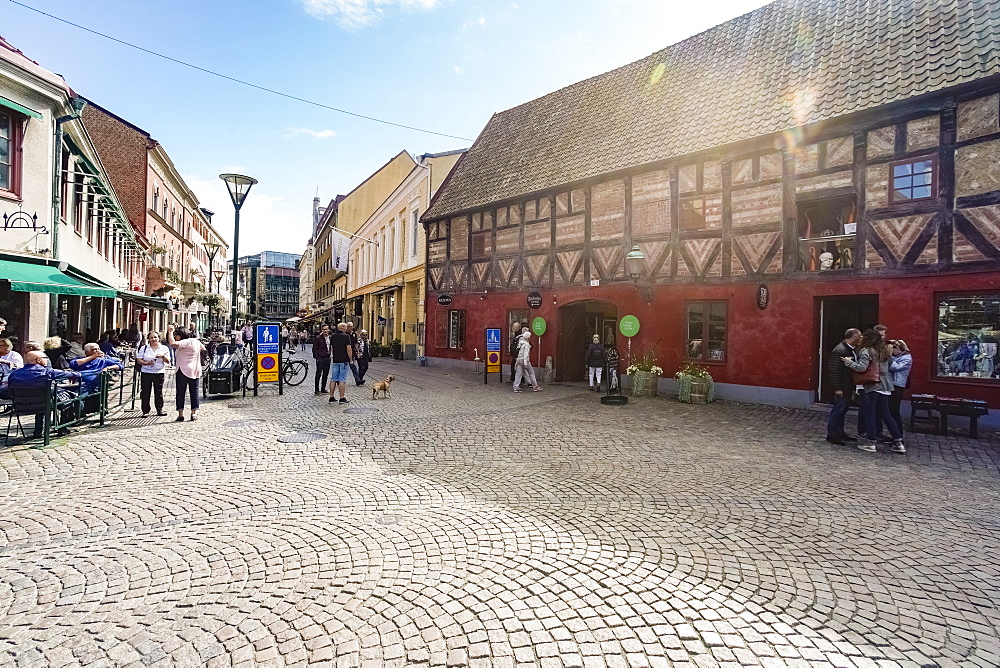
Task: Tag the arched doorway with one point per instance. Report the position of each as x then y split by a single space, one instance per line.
579 321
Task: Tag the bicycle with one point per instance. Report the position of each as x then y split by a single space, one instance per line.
293 372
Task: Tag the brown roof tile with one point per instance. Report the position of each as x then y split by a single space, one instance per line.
787 64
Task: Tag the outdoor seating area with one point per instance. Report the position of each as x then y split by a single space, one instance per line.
936 410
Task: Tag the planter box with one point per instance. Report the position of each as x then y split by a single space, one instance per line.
643 384
695 390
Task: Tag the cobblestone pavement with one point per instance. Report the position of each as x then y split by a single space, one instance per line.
463 525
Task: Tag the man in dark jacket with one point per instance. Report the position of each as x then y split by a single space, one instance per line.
842 382
515 338
321 353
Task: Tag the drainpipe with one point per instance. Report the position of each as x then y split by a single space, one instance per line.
77 103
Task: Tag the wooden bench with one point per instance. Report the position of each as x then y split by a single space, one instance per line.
926 404
946 407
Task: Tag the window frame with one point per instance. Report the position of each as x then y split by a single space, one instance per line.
703 357
933 159
936 319
15 153
680 213
459 341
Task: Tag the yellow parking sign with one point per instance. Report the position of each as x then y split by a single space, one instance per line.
267 368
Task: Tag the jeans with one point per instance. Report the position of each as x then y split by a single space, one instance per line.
835 423
895 399
189 385
362 369
322 372
873 403
354 372
151 383
594 372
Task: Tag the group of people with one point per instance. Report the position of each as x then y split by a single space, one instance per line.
338 354
520 357
293 338
876 369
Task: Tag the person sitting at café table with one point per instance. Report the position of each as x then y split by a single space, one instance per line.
9 358
91 367
36 374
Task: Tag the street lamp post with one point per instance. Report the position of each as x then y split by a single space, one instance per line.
211 250
238 186
219 273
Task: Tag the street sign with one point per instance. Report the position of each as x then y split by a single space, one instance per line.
538 326
494 339
267 338
629 326
267 368
534 300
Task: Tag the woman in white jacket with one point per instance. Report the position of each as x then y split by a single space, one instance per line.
522 365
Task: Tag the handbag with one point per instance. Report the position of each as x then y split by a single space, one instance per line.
868 376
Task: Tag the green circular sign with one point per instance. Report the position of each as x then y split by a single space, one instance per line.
538 326
629 326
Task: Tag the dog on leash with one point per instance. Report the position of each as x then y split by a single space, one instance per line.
383 387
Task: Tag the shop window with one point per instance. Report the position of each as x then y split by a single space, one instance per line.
10 151
706 331
692 213
913 180
456 329
968 331
827 231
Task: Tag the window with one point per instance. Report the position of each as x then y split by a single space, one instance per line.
968 331
156 196
692 213
456 329
478 245
706 331
10 148
913 179
415 226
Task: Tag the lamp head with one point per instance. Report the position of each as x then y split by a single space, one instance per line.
238 186
634 262
211 248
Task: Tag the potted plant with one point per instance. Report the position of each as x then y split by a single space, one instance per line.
695 384
644 375
396 349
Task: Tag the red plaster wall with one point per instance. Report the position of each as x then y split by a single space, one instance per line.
775 347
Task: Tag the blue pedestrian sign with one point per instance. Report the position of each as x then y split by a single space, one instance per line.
267 339
492 340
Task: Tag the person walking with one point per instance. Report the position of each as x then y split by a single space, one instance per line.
596 358
899 367
341 356
293 341
523 363
321 353
363 353
515 339
152 358
187 353
358 380
842 381
872 366
284 337
303 338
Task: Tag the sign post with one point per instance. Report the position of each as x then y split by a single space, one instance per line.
267 368
493 343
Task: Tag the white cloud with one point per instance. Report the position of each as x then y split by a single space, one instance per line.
458 70
267 222
481 21
316 134
358 14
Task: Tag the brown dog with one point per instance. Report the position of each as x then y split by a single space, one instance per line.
382 386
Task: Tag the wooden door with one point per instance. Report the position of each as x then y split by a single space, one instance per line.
573 338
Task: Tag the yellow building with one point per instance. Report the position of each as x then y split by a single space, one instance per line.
385 280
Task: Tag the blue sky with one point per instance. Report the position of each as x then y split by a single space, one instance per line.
443 65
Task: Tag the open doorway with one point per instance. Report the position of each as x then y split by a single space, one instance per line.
836 316
577 323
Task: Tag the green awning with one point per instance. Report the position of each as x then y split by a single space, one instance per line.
30 277
140 299
10 104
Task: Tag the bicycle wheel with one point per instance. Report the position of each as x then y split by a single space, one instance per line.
295 372
249 380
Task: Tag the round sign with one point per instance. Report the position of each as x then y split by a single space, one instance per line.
267 363
534 300
445 299
538 326
493 357
629 326
763 296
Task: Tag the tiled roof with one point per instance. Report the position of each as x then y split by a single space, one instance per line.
787 64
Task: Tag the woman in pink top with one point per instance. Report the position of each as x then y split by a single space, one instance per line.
187 351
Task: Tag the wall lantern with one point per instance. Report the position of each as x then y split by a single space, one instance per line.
634 265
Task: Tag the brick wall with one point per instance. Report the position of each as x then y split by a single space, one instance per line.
123 151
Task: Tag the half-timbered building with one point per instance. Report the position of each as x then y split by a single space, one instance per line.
807 167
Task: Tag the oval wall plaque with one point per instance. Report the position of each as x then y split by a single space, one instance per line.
445 299
763 296
534 300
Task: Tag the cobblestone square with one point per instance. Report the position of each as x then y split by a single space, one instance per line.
463 525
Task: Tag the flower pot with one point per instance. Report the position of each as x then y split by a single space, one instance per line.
699 391
695 389
644 384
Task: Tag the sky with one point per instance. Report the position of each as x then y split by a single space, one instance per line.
440 65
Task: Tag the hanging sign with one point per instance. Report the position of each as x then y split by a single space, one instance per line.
629 326
763 296
445 299
534 300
